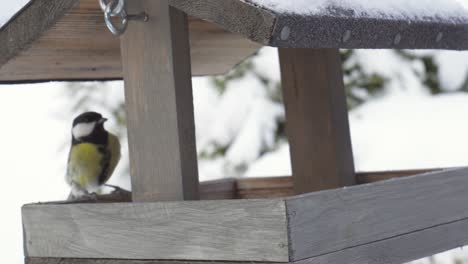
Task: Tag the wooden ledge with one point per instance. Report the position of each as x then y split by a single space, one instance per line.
252 188
253 230
350 225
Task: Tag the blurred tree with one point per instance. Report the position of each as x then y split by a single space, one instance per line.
362 83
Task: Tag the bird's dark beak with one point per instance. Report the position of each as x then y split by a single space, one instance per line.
102 120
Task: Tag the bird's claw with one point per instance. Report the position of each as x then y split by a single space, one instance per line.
90 196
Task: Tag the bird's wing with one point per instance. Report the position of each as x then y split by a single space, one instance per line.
68 176
111 158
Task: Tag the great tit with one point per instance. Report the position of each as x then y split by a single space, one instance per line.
93 156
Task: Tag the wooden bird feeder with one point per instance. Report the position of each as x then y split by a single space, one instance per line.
375 221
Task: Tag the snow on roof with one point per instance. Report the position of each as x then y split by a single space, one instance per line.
390 9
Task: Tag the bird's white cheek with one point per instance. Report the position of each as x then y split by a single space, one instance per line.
83 129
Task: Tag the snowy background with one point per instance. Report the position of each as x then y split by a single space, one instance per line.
405 127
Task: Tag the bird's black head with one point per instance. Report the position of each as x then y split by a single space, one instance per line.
89 127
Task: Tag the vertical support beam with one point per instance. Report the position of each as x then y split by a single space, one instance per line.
316 119
159 104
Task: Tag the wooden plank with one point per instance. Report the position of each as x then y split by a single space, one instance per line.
402 248
316 119
159 104
253 188
218 189
231 230
233 15
73 43
369 177
36 17
349 32
273 187
375 212
337 27
119 261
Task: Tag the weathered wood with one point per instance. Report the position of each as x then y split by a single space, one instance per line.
337 28
72 42
233 15
316 119
349 32
369 177
337 220
264 187
235 230
118 196
402 248
275 187
218 189
159 104
395 250
35 18
252 188
119 261
52 40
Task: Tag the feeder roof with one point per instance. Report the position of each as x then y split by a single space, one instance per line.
356 24
67 39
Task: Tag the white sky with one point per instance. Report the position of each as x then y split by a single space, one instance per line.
9 8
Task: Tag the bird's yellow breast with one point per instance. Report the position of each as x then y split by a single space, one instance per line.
85 164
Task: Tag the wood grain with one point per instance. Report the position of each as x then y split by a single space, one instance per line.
264 187
333 28
119 261
35 18
336 220
235 230
376 176
252 188
159 104
233 15
341 28
218 189
78 46
316 119
402 248
50 40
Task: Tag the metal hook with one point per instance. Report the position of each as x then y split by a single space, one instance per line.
116 8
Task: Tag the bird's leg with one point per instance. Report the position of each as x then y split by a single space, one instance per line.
76 191
91 196
79 192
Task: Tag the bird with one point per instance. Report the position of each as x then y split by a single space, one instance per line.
93 155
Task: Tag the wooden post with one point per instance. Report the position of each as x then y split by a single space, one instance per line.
159 103
316 119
